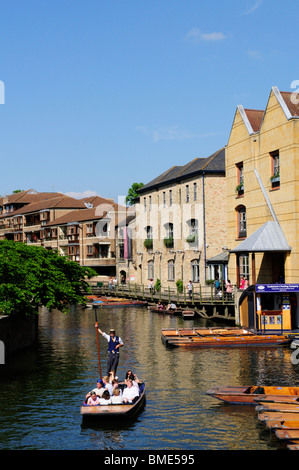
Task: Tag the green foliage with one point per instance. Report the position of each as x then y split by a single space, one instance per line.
158 285
180 285
132 193
168 242
148 243
31 277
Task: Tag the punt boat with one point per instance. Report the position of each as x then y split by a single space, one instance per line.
166 311
288 434
187 314
280 407
282 424
229 341
249 395
120 411
266 416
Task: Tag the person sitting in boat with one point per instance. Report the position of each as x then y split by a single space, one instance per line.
171 306
133 377
106 399
93 399
115 385
117 398
130 393
107 384
160 306
98 390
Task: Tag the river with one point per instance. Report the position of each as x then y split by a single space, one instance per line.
42 388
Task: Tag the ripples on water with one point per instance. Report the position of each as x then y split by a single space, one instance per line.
42 390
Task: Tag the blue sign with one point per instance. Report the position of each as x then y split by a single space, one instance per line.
261 288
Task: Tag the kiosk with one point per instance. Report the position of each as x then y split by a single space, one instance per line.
270 307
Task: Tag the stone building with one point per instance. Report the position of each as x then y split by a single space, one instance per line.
180 224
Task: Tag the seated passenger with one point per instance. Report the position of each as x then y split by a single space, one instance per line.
105 400
130 392
160 306
107 384
93 399
115 385
171 306
117 397
98 390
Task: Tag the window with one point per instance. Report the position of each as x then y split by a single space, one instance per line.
171 275
148 242
144 204
150 203
241 213
170 197
168 240
195 270
240 179
187 193
150 269
195 191
275 176
164 199
193 231
244 267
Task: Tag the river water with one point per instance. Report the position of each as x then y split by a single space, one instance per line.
43 388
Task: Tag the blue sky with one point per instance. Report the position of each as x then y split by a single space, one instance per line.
101 94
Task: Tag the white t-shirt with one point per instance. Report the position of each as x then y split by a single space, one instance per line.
115 400
130 393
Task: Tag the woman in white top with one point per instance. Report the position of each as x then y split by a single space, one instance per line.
130 392
117 397
105 400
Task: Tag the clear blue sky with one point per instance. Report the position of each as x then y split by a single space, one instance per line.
101 94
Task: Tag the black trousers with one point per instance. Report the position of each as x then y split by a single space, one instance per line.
112 362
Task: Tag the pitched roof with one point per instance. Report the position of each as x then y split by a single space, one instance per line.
268 237
255 117
88 214
215 163
26 197
60 202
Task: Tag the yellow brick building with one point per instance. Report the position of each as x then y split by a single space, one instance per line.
262 174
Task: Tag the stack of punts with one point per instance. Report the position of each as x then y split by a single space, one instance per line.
250 395
119 411
230 337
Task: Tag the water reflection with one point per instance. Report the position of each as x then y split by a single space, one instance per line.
46 387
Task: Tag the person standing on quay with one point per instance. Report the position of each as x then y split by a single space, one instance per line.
114 343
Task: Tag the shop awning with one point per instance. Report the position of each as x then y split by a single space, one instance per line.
222 258
269 237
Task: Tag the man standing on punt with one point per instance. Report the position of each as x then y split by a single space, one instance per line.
114 343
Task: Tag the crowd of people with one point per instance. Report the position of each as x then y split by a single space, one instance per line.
109 391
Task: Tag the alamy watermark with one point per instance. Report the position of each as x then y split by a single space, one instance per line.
295 94
2 353
2 92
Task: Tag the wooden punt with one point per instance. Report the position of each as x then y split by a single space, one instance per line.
187 314
170 334
165 311
294 445
282 424
114 304
249 394
266 416
121 411
288 434
229 341
278 399
280 407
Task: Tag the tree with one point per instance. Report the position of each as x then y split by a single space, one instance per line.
133 194
31 277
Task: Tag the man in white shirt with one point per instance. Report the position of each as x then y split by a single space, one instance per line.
130 392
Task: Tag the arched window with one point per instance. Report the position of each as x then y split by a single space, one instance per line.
171 273
150 269
241 221
195 270
168 240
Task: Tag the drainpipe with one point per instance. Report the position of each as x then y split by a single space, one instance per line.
204 223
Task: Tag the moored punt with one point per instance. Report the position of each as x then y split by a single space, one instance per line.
121 303
166 311
230 341
293 445
282 424
187 314
249 394
279 407
169 334
278 399
288 434
266 416
121 411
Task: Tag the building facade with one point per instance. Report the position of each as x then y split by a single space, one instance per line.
262 175
180 224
